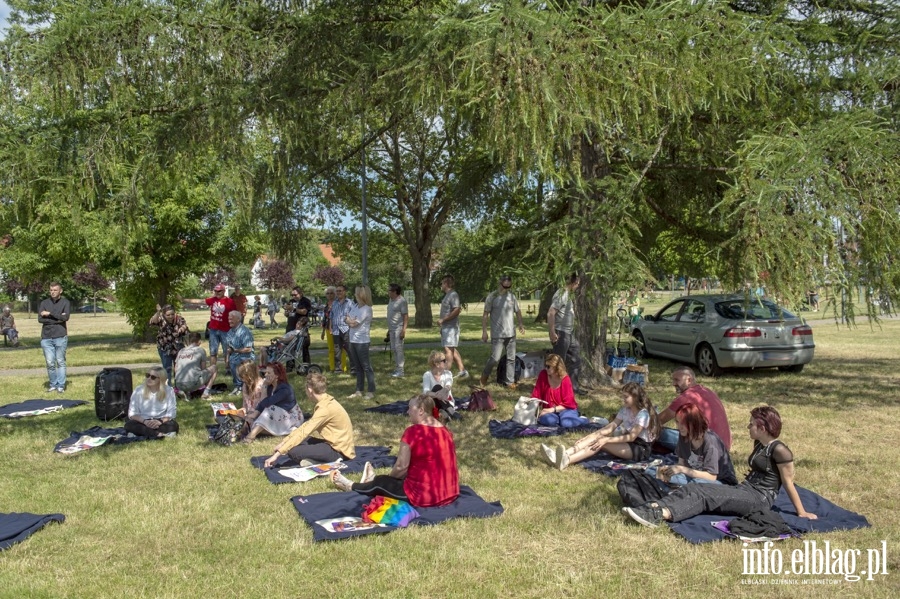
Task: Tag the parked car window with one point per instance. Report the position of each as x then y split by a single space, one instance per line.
755 310
694 312
670 312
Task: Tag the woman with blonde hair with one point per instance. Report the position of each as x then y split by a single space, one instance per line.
151 412
254 385
360 321
554 389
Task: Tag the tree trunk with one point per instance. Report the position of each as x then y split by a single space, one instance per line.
593 296
546 299
420 275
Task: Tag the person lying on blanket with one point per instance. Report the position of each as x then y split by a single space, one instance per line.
151 411
554 388
702 456
329 421
425 473
771 468
628 436
277 414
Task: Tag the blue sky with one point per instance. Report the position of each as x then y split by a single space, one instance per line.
4 12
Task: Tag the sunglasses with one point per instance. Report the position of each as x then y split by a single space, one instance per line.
294 295
152 377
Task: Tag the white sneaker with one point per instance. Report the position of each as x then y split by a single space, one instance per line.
52 390
462 374
562 458
368 473
308 463
235 392
369 396
550 454
397 374
354 395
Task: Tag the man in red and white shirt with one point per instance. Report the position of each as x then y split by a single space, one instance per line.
219 307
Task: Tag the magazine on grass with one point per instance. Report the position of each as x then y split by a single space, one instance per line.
310 472
84 443
347 524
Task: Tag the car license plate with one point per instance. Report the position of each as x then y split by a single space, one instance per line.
777 356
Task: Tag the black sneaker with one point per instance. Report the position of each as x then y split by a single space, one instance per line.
645 515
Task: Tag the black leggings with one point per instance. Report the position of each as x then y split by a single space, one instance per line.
383 484
317 450
142 430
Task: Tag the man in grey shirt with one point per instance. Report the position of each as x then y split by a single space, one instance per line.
561 322
502 308
53 314
398 318
449 323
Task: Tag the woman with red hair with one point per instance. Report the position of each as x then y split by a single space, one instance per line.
702 456
771 468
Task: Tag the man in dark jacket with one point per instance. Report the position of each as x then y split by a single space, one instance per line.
53 314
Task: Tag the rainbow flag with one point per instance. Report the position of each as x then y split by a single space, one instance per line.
389 511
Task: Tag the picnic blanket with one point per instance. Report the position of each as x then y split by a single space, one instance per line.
510 429
337 515
37 407
96 436
16 527
397 408
378 455
831 517
603 463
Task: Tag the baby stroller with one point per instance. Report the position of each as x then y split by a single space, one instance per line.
291 355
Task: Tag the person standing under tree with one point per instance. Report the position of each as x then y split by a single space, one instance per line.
449 323
219 308
561 323
240 301
53 314
398 319
502 308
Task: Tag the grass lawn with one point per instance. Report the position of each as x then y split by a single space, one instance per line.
186 518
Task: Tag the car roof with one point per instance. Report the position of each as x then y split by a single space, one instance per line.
718 297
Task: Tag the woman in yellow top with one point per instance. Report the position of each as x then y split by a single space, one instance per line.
329 422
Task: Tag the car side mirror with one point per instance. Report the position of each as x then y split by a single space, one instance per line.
649 317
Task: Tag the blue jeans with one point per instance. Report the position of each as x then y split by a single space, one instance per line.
668 437
166 360
55 357
234 361
217 338
566 419
497 349
359 360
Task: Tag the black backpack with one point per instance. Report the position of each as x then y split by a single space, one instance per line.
636 487
519 368
112 393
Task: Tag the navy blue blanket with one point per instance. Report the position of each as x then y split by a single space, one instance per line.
16 527
603 463
831 517
397 408
379 457
112 436
47 406
329 506
509 429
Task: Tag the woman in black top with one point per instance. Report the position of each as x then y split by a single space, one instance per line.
771 467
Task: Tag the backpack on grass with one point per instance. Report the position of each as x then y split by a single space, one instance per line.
636 487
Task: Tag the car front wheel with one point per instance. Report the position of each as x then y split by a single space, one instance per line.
640 348
706 361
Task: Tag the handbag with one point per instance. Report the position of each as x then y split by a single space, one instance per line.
526 410
481 401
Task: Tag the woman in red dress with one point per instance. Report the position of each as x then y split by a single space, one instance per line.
425 473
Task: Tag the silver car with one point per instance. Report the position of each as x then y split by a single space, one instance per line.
726 331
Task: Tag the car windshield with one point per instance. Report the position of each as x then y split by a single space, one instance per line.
740 309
